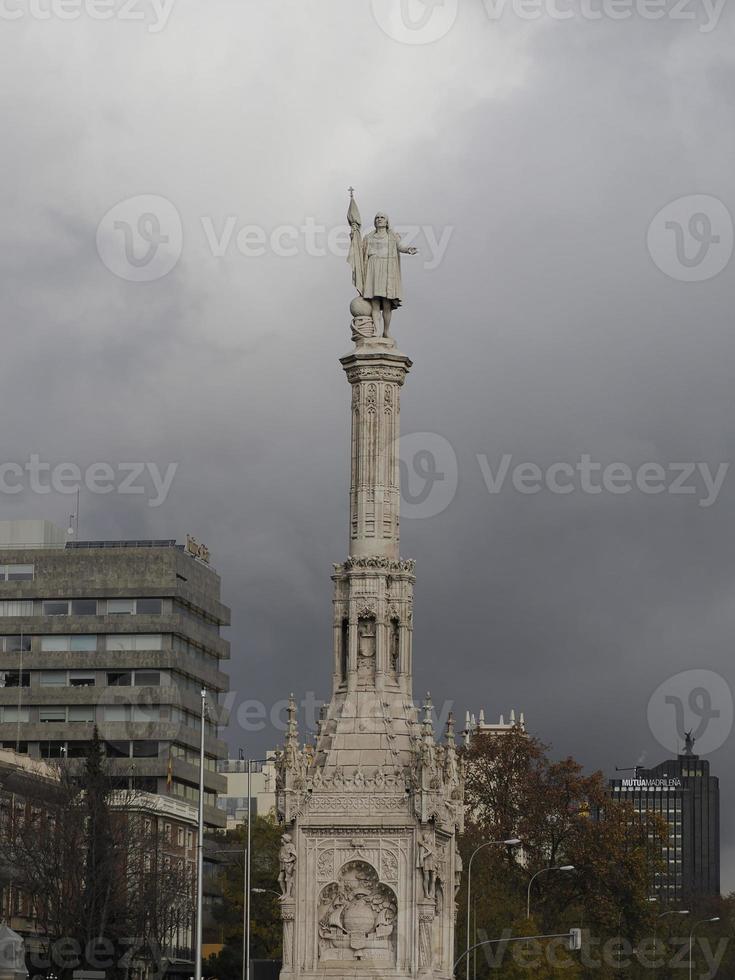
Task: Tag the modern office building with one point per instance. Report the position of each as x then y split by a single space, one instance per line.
118 634
688 797
262 796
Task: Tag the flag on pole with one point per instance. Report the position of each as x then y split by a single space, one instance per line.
355 257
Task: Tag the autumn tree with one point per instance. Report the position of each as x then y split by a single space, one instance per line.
563 817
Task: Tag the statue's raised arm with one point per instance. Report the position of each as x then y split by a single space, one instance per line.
376 272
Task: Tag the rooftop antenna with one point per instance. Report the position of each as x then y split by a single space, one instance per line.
73 528
633 769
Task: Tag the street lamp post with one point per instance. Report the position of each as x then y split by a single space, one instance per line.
247 888
511 842
200 848
715 918
661 915
564 867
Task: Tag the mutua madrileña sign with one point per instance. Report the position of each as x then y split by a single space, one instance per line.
665 782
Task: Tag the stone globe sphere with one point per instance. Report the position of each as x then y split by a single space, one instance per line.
361 307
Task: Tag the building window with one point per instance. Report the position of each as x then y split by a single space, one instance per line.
144 712
133 641
15 678
120 607
53 678
180 836
55 644
147 678
16 607
145 750
16 573
60 643
81 678
119 678
148 607
55 607
81 712
116 750
49 714
84 607
15 644
146 784
117 712
14 713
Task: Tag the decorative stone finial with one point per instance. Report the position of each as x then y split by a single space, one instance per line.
450 729
428 719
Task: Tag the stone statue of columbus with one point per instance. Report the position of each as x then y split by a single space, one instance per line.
376 270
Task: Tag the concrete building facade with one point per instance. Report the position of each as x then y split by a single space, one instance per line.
118 634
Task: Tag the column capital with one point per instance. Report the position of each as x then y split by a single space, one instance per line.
381 364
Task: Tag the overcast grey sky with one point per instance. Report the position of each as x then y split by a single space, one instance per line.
554 325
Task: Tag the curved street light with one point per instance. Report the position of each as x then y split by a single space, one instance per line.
715 918
564 867
511 842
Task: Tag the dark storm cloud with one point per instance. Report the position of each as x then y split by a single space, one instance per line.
546 332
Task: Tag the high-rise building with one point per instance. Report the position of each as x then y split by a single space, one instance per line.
684 793
118 634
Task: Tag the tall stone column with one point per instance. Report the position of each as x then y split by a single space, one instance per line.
372 810
374 588
376 376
